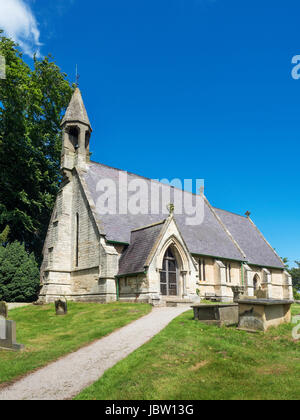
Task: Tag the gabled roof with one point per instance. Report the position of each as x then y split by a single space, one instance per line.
133 260
250 239
76 111
208 238
221 234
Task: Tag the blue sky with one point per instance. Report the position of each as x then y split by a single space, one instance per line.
187 89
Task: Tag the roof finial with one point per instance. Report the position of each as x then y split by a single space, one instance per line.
247 214
200 183
77 76
170 208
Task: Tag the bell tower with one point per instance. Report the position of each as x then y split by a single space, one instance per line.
76 132
60 244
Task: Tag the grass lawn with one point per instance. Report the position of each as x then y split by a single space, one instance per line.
48 336
190 360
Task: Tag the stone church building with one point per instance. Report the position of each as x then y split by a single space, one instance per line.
153 258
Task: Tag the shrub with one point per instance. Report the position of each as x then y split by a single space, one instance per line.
296 294
19 274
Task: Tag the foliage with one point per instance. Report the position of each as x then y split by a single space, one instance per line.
286 262
296 294
48 337
4 235
31 105
19 274
295 273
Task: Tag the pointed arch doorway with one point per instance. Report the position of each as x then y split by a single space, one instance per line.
169 275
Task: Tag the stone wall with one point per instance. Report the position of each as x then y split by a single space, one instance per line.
134 289
88 237
278 282
61 273
206 286
57 252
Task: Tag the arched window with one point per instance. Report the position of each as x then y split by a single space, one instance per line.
256 282
169 275
74 136
77 241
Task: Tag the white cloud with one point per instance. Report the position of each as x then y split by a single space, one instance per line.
18 22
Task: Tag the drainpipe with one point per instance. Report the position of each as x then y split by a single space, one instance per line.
242 273
118 290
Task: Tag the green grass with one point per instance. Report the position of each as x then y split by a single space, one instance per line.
189 360
48 337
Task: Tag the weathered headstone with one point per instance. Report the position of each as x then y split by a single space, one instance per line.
261 314
8 335
2 328
217 314
261 294
61 307
3 309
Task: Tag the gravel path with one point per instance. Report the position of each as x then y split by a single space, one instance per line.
68 376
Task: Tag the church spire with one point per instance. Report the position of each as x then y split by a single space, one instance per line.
76 132
76 112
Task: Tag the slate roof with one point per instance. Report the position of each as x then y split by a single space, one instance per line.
250 239
210 238
76 111
134 258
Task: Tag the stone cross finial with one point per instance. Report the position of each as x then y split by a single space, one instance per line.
247 214
170 208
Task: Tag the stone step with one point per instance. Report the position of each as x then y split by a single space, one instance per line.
178 302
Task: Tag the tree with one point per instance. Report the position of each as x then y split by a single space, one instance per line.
32 102
295 273
4 235
285 262
19 274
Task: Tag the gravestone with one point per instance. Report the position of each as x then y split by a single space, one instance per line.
2 328
8 335
261 314
3 309
261 294
217 314
61 307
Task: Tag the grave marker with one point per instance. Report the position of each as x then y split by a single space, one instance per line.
8 335
61 307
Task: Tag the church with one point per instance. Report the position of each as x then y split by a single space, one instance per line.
155 256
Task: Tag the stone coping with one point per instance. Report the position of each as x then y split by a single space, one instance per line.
219 305
265 302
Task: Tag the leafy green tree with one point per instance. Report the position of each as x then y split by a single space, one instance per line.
4 235
32 102
295 273
285 262
19 274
